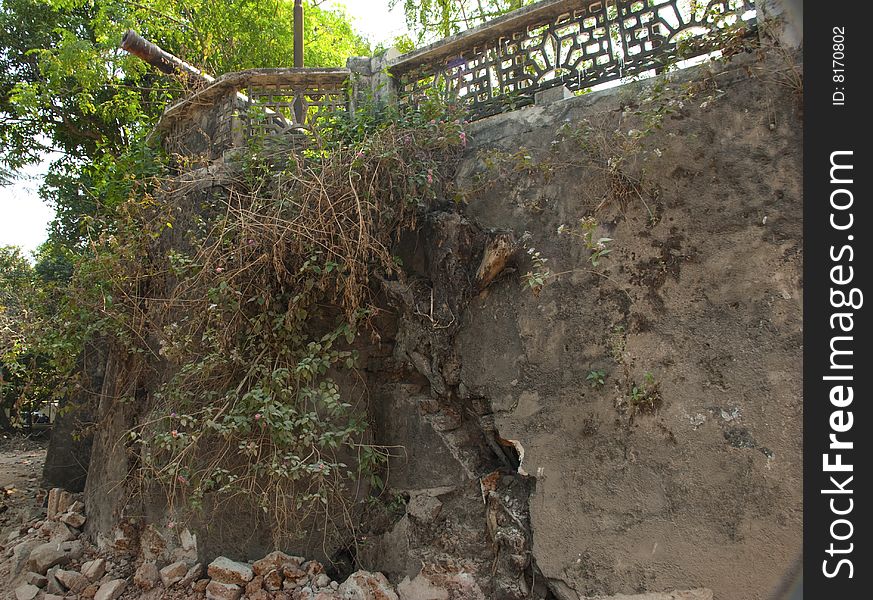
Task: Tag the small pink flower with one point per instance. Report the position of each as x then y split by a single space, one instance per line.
463 139
219 269
171 524
257 416
429 176
182 480
173 415
174 433
360 154
251 242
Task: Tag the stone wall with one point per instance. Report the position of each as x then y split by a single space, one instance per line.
702 289
509 466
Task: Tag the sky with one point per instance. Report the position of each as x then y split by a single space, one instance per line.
24 217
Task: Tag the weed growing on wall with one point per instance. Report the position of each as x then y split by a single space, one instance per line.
644 397
536 277
587 232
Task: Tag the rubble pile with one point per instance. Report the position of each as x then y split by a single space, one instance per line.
51 559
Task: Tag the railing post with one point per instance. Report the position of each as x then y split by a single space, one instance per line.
370 80
382 84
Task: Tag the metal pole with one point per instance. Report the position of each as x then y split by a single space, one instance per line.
298 55
298 33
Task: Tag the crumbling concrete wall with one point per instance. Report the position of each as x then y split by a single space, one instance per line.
701 291
698 304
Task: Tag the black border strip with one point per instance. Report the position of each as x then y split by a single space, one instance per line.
837 257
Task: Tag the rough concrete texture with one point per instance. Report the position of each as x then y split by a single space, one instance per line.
147 576
223 591
111 590
26 592
707 299
173 573
94 569
228 571
362 585
103 495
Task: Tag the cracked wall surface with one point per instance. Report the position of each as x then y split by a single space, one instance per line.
511 474
704 491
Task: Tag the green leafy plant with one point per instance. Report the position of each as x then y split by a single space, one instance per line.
236 316
645 397
596 377
536 277
587 232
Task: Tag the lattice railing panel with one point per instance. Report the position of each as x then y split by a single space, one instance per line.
592 42
279 108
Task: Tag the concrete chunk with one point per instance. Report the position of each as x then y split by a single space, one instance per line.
26 592
146 576
173 573
111 590
94 569
274 560
21 554
191 576
222 591
57 532
45 556
364 585
72 580
224 570
73 519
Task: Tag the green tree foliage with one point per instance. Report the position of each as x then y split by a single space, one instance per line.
40 334
16 278
435 19
17 319
66 86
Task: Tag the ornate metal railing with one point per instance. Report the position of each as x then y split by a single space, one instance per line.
493 68
576 43
237 106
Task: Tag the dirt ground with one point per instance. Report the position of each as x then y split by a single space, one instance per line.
21 461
